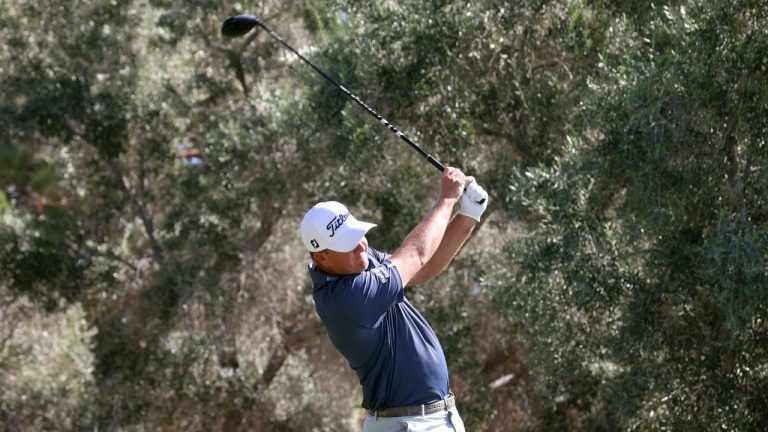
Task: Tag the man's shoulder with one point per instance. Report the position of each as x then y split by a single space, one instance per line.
377 256
380 273
333 286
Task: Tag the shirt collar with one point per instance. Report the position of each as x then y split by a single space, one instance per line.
319 278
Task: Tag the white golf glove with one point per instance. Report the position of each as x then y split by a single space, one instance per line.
473 201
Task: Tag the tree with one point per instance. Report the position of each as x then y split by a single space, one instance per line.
148 185
153 175
642 289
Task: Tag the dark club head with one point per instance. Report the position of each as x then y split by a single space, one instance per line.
239 25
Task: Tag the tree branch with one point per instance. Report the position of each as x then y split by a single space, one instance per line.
288 344
143 212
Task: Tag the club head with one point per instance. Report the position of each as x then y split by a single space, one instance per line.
239 25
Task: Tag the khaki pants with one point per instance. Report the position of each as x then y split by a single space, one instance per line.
443 421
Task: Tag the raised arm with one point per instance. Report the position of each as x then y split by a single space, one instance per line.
422 243
458 231
473 203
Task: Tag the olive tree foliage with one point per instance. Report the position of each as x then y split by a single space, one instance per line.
153 174
481 85
146 183
641 282
628 141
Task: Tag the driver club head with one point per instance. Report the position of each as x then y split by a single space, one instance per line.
239 25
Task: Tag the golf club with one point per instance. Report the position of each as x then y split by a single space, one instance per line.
239 25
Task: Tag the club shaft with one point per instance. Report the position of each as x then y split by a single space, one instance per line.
370 110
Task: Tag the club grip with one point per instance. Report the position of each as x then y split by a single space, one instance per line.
436 163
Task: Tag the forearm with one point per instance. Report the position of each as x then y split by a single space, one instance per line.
456 234
423 242
425 239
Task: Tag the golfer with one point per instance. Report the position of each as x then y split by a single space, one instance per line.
358 293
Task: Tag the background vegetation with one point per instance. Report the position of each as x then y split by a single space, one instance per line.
153 175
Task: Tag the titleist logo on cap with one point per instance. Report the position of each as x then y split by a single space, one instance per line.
336 222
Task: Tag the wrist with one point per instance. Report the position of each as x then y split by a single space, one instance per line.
471 213
468 218
443 201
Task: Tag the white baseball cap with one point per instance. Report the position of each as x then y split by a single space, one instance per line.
329 225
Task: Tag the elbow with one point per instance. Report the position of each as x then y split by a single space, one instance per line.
423 256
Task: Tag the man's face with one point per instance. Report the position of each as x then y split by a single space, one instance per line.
344 263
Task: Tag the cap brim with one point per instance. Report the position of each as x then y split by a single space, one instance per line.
352 235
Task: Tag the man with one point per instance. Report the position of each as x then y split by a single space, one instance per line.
358 293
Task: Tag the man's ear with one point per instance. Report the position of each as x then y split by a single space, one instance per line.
320 258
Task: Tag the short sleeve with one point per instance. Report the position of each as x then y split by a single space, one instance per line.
380 256
373 292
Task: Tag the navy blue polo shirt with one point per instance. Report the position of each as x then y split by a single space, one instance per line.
387 342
